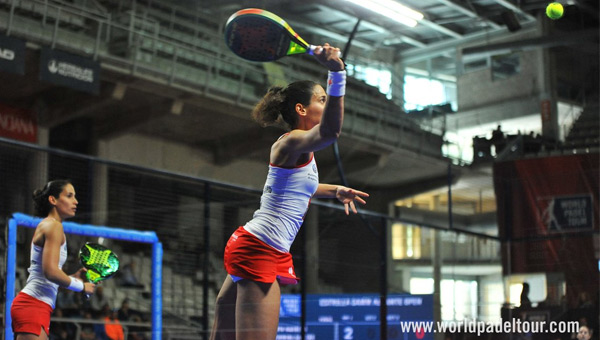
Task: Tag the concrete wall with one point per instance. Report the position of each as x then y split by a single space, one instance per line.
157 153
478 88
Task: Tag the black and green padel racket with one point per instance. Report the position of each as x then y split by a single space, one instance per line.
101 263
258 35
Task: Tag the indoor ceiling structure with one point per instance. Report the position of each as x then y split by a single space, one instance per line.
445 25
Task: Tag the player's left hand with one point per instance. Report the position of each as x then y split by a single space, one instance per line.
348 196
80 274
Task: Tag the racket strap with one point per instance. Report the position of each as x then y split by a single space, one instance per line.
336 83
75 285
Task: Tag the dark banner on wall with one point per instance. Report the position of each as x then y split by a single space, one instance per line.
18 124
547 211
70 70
539 197
12 55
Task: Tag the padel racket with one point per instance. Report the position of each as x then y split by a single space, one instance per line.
258 35
101 263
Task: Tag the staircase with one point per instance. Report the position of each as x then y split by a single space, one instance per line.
585 132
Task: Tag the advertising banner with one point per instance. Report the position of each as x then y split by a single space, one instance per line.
12 55
356 316
76 72
19 124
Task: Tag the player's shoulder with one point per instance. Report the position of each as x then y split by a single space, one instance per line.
288 140
50 226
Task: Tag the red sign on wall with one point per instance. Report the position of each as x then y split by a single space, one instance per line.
546 110
20 124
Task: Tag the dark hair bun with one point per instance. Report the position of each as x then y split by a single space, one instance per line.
40 196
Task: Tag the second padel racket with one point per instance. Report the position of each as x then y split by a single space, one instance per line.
101 263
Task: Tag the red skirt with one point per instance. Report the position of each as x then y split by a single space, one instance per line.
30 315
247 257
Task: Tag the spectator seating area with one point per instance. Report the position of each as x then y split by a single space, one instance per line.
583 136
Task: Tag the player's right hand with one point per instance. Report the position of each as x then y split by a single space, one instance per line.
329 57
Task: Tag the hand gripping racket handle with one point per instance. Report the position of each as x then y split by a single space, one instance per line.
312 49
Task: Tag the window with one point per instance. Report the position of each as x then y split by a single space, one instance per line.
505 66
420 285
472 65
420 92
380 77
492 299
537 287
406 242
458 297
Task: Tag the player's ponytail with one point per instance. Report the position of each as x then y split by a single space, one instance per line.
268 109
278 106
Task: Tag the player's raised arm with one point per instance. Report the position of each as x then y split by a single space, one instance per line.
328 127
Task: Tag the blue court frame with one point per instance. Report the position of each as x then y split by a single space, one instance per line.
22 220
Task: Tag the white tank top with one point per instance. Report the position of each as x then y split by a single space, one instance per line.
38 286
283 204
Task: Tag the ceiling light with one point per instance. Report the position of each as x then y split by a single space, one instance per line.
392 10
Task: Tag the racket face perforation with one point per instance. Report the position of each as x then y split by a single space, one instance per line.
259 35
100 262
255 38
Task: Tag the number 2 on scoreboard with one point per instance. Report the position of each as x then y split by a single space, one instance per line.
348 333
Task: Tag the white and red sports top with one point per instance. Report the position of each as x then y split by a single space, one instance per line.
38 286
283 204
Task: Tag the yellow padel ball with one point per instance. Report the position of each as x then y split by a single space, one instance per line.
555 10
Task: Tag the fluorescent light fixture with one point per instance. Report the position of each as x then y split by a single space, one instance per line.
392 10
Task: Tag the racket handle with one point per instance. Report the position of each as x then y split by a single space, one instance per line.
312 49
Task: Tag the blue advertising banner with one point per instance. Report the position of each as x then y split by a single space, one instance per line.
76 72
12 55
355 317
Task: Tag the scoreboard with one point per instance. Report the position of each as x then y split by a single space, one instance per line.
353 316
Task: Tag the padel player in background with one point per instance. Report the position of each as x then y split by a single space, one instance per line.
257 256
31 309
